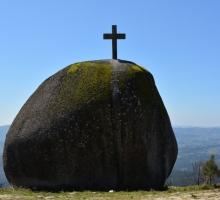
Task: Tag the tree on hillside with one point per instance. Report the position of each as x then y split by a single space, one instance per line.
210 169
196 175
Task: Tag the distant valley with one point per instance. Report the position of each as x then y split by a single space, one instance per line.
194 144
3 131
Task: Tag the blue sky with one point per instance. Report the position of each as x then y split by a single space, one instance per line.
177 41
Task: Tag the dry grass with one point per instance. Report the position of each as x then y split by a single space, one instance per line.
203 192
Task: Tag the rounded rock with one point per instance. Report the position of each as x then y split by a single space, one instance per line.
96 125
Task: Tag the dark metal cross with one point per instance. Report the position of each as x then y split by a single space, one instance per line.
114 36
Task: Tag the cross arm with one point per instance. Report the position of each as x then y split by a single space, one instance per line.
107 36
110 36
120 36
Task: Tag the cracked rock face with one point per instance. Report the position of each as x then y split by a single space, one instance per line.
97 125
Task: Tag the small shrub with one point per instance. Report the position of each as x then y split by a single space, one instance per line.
194 196
204 187
169 191
216 185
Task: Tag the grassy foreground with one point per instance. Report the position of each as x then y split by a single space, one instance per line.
177 193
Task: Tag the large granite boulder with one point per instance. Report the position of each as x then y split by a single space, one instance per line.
97 125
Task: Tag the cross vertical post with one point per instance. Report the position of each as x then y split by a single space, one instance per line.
114 36
114 42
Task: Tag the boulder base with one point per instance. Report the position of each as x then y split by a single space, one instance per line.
97 125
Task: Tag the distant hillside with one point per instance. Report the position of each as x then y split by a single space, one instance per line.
3 131
194 144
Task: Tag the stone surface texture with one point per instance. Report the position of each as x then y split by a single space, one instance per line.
96 125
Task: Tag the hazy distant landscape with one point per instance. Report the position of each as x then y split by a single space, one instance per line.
194 144
3 131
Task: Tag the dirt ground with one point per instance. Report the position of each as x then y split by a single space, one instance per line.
202 195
